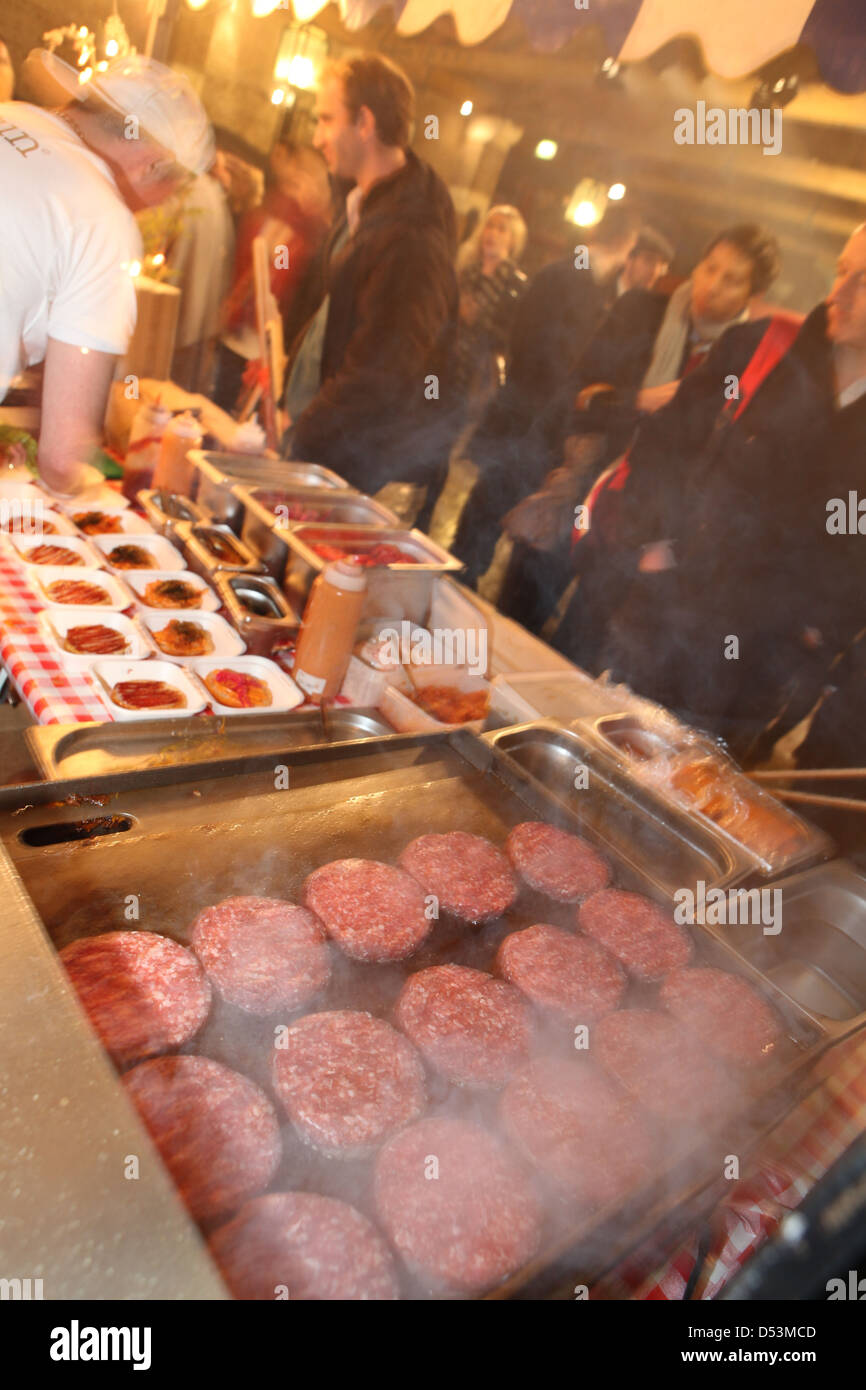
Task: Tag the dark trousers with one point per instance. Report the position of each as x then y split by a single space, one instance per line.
534 582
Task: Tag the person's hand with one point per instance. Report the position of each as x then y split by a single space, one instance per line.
656 558
653 398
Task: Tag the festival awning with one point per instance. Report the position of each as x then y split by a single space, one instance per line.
736 36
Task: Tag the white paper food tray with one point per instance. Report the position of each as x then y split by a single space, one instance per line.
107 673
138 581
24 545
407 717
227 642
131 524
165 555
286 694
43 576
56 622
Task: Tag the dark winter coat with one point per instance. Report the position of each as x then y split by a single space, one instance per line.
745 505
391 326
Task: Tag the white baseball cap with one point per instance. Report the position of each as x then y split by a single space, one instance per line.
163 101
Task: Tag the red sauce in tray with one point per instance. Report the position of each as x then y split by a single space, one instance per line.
54 555
380 554
147 695
76 591
96 638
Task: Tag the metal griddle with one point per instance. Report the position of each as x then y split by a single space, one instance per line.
184 845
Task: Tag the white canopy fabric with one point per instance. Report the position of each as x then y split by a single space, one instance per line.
737 36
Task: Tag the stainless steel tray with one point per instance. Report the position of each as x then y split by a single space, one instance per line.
647 750
560 760
201 558
258 608
265 532
819 958
393 591
86 754
217 474
239 835
165 509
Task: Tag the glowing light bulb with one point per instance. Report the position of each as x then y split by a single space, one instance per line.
302 73
112 48
158 259
278 96
134 269
586 214
86 75
546 149
466 109
616 191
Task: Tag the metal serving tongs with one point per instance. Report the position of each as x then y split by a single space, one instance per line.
813 774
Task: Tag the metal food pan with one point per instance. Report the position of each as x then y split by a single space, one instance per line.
819 957
202 560
561 761
258 608
238 835
651 753
393 591
265 532
216 476
86 755
165 509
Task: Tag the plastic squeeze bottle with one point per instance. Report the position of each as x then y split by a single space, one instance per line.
328 629
142 451
174 470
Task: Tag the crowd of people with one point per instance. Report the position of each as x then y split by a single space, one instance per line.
660 452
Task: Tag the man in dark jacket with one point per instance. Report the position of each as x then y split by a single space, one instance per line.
759 582
368 388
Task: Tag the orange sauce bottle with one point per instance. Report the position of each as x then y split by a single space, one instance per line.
328 630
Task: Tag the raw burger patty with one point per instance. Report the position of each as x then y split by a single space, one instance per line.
144 994
637 931
470 876
570 976
726 1013
373 911
472 1028
658 1063
216 1131
347 1080
583 1133
551 861
315 1248
470 1226
262 954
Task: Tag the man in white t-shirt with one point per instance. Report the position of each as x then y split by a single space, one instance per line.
71 180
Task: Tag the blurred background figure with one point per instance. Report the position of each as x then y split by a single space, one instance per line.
490 285
520 436
199 261
294 218
7 73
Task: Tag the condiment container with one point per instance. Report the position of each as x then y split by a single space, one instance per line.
328 629
174 471
145 442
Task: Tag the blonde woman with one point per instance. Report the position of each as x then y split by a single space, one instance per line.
490 285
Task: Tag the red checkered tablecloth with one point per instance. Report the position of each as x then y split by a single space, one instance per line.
52 693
